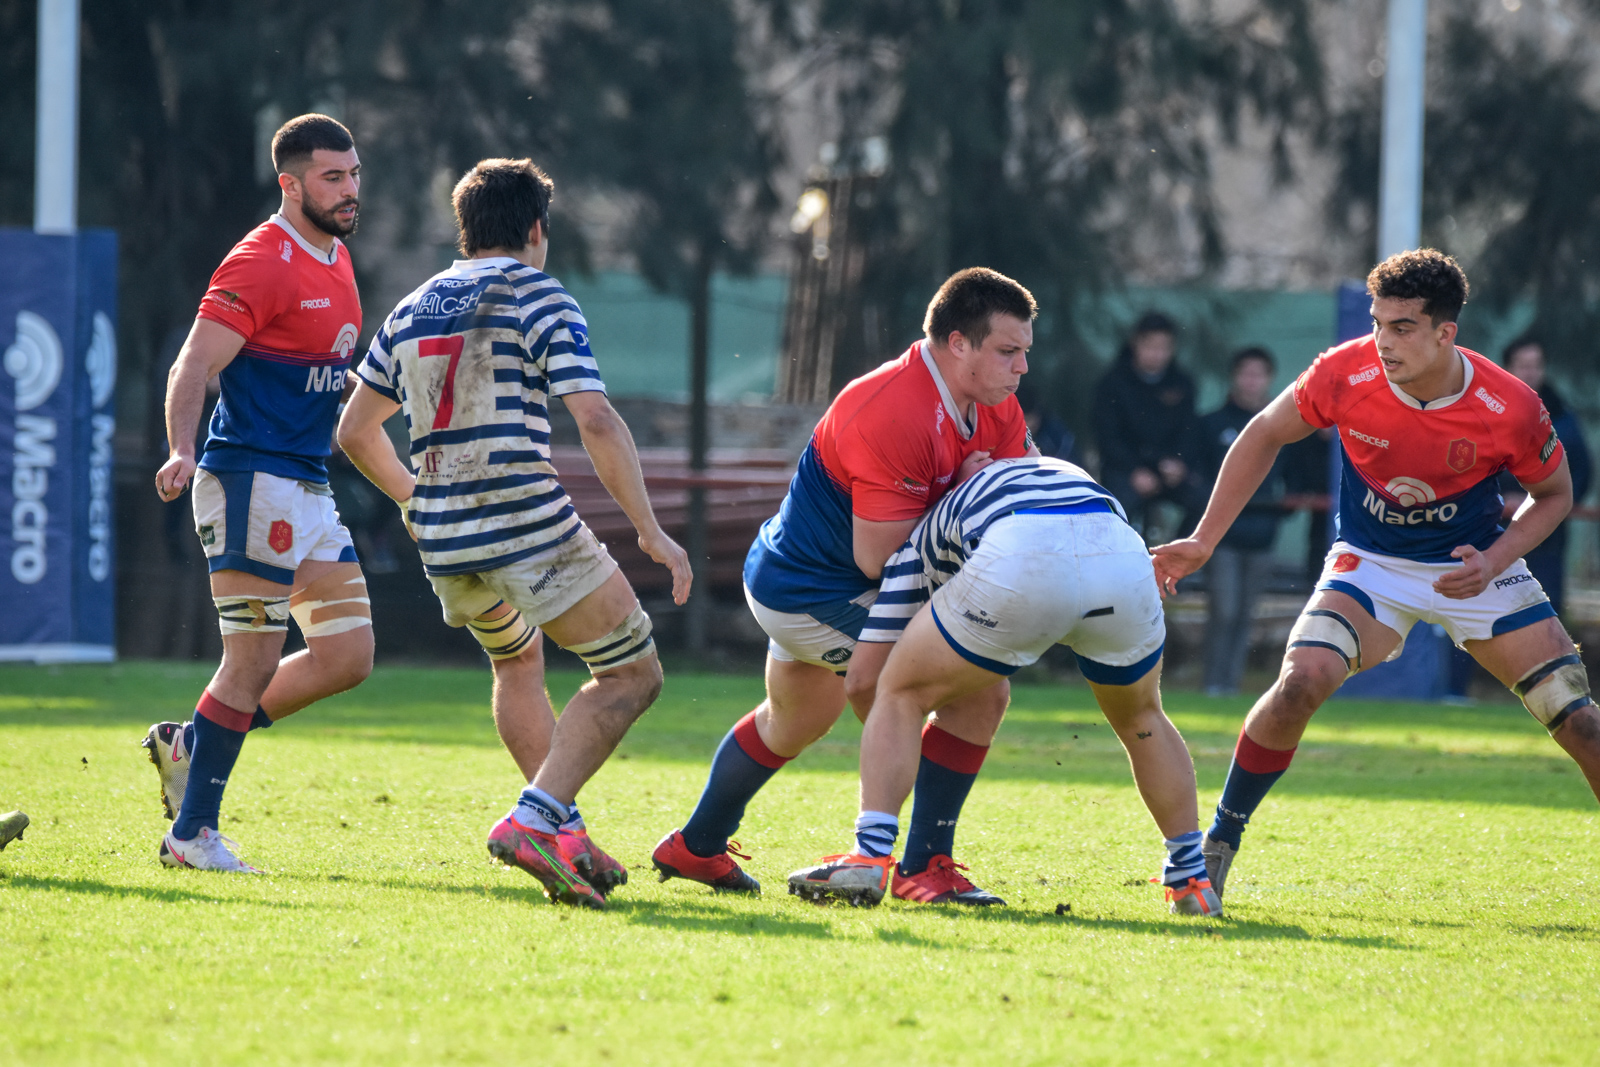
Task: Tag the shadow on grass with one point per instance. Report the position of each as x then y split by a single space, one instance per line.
698 917
93 887
1225 929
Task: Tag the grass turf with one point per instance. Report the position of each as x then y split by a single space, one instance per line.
1419 889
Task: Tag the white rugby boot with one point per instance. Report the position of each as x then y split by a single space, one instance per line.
207 852
860 880
165 743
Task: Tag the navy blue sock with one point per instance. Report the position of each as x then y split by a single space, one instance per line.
742 765
944 778
259 721
218 736
1253 772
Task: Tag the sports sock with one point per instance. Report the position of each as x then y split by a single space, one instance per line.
1252 773
259 721
742 765
538 810
574 823
875 833
945 775
218 735
1183 859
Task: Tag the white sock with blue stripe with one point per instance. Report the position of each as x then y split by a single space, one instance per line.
1184 860
538 810
876 832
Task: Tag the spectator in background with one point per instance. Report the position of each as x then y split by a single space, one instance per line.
1239 568
1524 358
1144 422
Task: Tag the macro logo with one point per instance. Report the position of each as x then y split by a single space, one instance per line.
1365 375
1490 401
345 342
34 362
1412 494
101 363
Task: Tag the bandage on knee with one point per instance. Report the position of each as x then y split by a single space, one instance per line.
332 604
252 614
1321 628
505 637
628 642
1555 689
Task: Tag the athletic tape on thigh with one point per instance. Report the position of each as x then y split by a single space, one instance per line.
628 642
1555 689
252 614
505 637
332 604
1321 628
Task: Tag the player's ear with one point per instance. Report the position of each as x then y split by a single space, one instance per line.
289 184
535 234
1447 332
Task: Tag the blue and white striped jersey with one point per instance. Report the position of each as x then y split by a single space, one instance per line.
473 357
942 542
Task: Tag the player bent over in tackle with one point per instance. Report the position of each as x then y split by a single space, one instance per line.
472 357
1026 554
277 326
1425 427
891 444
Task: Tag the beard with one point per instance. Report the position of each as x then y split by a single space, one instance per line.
328 222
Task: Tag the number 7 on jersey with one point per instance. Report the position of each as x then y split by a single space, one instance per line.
444 346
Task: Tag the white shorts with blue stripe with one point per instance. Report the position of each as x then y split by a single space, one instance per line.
1082 579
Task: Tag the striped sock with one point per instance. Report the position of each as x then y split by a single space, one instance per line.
574 823
875 833
1183 859
1253 773
538 810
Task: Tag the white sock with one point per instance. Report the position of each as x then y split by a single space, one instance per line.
876 832
538 810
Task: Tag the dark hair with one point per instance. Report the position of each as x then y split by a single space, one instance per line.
1425 274
1154 322
968 297
498 201
1527 340
1253 352
296 139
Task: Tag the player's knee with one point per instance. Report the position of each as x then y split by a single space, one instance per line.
1306 683
633 686
859 689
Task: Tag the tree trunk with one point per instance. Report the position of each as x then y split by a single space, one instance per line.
699 606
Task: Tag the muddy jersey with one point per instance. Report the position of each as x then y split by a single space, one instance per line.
887 449
1418 478
473 358
300 315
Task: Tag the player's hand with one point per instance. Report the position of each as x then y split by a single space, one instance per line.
972 465
1469 579
1177 559
665 551
173 477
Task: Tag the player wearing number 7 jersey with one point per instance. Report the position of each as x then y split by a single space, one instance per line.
472 358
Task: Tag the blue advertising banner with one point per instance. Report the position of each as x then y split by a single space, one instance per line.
58 319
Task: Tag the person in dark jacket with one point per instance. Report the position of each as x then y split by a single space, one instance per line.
1144 422
1524 358
1242 562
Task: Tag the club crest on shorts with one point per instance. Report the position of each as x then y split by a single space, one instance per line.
836 656
1461 455
1346 562
280 536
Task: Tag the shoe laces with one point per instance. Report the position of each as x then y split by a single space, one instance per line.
733 850
1194 885
219 847
948 870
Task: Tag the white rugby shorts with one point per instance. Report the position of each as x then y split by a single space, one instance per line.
1399 593
544 586
265 525
1084 580
802 638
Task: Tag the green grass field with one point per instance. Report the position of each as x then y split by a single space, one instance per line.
1420 889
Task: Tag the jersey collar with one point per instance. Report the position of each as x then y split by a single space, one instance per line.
1443 401
330 258
503 262
963 428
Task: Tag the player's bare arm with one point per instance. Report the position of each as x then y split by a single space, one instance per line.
362 438
616 460
1542 510
209 347
1243 470
874 542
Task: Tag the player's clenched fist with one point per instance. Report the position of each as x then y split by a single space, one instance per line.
1176 560
173 477
665 551
1469 579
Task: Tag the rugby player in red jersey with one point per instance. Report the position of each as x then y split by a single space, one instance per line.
1425 428
892 443
278 326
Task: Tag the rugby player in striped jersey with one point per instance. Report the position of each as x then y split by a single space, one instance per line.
472 358
1025 554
